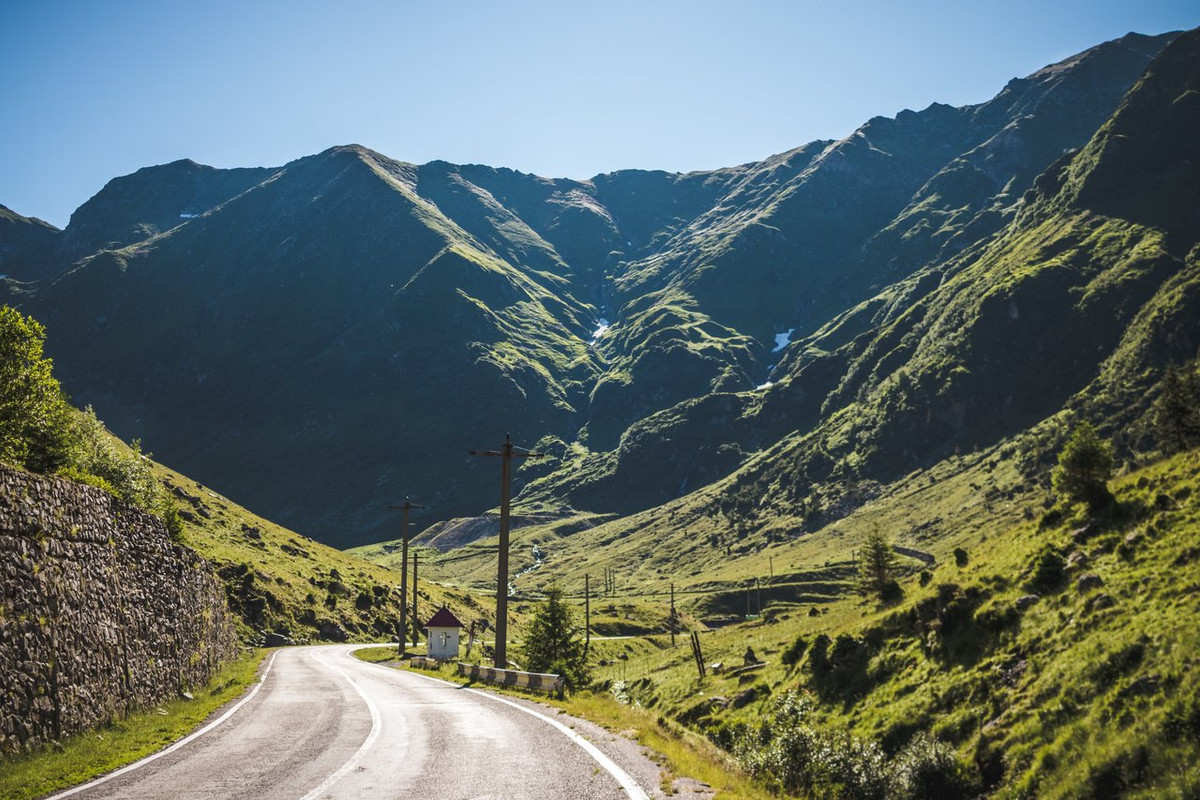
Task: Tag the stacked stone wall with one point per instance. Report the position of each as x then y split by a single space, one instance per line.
101 613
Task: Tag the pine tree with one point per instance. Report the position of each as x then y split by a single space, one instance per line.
1177 410
1084 467
552 642
877 573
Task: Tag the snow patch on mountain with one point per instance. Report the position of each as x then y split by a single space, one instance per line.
602 327
782 340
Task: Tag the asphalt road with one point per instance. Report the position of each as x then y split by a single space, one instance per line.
325 725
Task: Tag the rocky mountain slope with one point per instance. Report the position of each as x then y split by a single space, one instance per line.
26 245
319 339
946 397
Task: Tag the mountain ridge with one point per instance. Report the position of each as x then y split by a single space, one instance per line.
350 305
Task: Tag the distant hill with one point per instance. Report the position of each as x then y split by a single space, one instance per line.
319 339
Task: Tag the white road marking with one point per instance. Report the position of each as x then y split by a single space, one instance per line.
628 784
363 748
185 740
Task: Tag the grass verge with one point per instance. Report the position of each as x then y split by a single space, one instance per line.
678 751
101 750
376 655
683 753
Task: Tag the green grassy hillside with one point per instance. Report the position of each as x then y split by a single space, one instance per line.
1081 684
278 581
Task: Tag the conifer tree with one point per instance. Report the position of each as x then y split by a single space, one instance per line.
1177 410
552 642
877 573
1084 467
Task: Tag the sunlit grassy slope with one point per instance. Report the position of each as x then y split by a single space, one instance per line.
278 581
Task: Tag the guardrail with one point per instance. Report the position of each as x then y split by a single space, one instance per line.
424 662
511 677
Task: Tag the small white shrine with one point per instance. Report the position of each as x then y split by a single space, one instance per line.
442 632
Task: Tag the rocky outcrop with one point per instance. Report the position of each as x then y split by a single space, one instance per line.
101 613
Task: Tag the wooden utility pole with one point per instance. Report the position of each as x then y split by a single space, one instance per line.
587 614
408 506
506 455
416 622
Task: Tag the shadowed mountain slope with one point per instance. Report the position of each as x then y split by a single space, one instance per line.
27 245
318 339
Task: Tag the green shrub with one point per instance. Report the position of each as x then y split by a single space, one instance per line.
34 415
1084 467
94 451
793 754
818 654
1049 571
791 656
927 768
1183 722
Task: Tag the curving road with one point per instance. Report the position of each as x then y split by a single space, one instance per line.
323 724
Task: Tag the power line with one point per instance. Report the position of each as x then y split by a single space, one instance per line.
506 455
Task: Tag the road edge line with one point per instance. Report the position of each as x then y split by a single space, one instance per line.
623 778
171 748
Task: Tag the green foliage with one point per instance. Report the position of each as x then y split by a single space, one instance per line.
877 575
1177 409
172 518
793 753
818 654
34 416
553 643
98 458
791 656
126 471
1184 721
927 768
1084 467
1049 571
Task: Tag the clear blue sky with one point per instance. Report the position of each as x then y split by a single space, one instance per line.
92 90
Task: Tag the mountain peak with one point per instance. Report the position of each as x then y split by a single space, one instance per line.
1156 182
134 207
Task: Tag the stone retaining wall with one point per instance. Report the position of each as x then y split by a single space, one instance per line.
100 613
